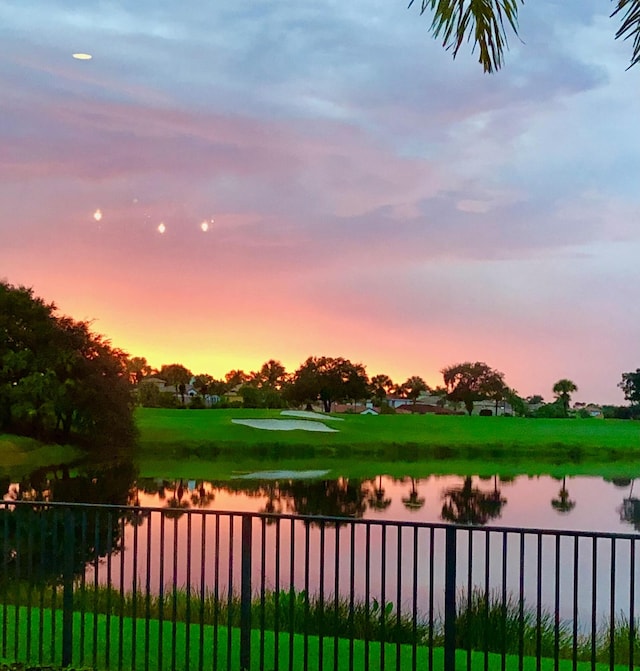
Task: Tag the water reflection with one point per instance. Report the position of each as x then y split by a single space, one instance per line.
526 501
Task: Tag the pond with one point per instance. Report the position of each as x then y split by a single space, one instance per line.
572 503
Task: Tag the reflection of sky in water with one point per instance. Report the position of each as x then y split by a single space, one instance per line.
528 500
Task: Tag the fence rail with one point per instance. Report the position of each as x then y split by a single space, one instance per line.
166 588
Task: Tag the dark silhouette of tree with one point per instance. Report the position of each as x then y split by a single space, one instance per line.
330 380
177 376
138 369
485 25
563 504
469 382
380 387
272 375
630 385
413 387
470 505
563 390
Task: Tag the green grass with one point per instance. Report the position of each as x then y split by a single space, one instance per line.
484 625
100 641
183 442
21 455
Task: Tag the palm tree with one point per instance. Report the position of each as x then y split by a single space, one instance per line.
413 387
563 390
485 24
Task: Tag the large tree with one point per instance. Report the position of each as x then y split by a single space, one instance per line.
328 379
176 375
413 387
485 24
272 375
563 390
57 378
630 385
469 382
380 387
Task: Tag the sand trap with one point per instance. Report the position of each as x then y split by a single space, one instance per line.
282 475
284 425
305 414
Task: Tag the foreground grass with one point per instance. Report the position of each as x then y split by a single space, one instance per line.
109 642
207 442
110 624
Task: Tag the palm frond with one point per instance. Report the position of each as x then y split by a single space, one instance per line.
630 28
482 22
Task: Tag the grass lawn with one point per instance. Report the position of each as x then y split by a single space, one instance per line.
165 645
184 443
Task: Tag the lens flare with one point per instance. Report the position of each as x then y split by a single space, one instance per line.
82 57
162 228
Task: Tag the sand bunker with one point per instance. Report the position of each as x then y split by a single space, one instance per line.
284 425
282 475
305 414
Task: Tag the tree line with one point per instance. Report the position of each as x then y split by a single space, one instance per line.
60 381
335 380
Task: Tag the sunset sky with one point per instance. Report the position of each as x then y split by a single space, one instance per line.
366 195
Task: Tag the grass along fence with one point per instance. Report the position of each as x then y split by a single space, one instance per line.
124 588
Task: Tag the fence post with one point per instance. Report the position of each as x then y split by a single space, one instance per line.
450 600
67 589
245 595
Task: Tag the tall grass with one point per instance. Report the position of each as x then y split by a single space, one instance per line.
485 622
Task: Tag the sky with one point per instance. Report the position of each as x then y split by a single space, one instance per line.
366 195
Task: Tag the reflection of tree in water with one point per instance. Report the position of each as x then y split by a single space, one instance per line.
470 505
376 498
413 501
330 498
630 509
35 537
563 504
176 504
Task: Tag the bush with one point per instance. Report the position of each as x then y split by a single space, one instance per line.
197 403
168 400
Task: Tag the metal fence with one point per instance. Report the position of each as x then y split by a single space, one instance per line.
166 588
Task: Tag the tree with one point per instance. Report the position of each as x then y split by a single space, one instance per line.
272 374
630 385
485 24
329 380
177 376
468 382
202 383
380 387
58 380
563 390
138 369
234 378
413 387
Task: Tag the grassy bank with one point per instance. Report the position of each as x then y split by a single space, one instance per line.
20 455
184 442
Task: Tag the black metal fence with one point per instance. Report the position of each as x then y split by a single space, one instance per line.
141 588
